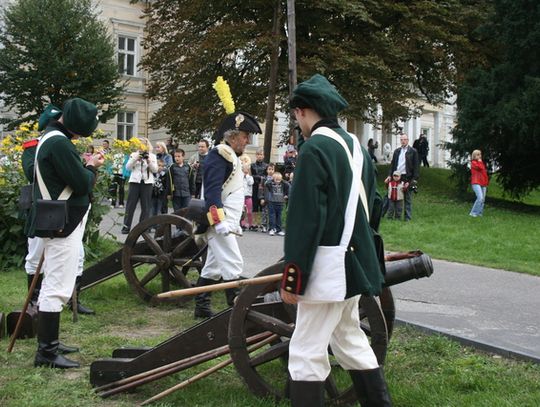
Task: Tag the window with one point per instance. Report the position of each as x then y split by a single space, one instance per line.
126 55
125 125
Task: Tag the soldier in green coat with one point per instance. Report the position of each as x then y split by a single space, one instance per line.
60 175
330 252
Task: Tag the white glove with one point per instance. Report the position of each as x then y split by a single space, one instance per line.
223 228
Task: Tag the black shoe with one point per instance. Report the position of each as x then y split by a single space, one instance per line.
54 360
48 353
203 307
306 394
370 388
64 349
124 231
81 309
203 313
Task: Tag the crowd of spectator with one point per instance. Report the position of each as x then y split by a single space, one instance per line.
160 177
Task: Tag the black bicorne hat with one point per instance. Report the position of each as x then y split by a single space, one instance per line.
241 121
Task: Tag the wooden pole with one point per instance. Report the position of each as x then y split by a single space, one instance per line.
222 286
25 306
154 374
75 304
206 373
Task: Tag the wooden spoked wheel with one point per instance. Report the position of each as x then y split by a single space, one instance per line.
265 371
160 251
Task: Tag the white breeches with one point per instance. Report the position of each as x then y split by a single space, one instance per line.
321 324
223 259
35 250
61 265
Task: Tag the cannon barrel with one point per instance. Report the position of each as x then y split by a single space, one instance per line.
400 271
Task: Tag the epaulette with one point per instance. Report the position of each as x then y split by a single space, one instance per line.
30 143
226 152
292 279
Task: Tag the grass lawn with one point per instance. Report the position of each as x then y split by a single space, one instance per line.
506 237
422 370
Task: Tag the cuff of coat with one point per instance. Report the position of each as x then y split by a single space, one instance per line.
292 279
91 168
215 215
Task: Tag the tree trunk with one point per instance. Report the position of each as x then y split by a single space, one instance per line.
291 39
270 108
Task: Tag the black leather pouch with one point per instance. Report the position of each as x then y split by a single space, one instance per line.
51 215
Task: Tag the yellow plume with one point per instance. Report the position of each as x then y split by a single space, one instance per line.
224 93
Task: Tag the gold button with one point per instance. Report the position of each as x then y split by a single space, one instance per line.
292 271
288 288
290 278
352 249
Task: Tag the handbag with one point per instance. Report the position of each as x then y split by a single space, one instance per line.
51 215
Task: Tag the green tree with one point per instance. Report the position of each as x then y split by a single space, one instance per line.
499 105
377 52
52 50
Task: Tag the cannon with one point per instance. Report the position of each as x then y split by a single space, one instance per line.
254 332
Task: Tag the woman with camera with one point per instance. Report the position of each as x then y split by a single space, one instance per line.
143 165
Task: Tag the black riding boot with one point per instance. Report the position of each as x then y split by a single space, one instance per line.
306 394
231 293
81 309
370 388
48 353
203 308
37 288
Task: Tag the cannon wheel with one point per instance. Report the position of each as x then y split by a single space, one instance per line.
265 372
168 249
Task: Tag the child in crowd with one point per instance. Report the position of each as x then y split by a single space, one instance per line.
396 187
278 193
263 193
159 193
248 203
178 186
88 154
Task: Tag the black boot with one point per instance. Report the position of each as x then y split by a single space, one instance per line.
81 309
37 288
48 353
370 388
202 301
231 293
306 394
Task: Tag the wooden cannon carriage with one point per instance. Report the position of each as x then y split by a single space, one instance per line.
255 332
156 255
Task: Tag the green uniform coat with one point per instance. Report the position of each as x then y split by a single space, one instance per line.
60 165
315 217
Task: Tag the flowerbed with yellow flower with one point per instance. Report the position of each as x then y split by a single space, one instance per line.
12 239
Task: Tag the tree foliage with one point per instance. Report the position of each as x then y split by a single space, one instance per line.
52 50
377 52
499 105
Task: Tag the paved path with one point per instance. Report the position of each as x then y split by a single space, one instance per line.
495 310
